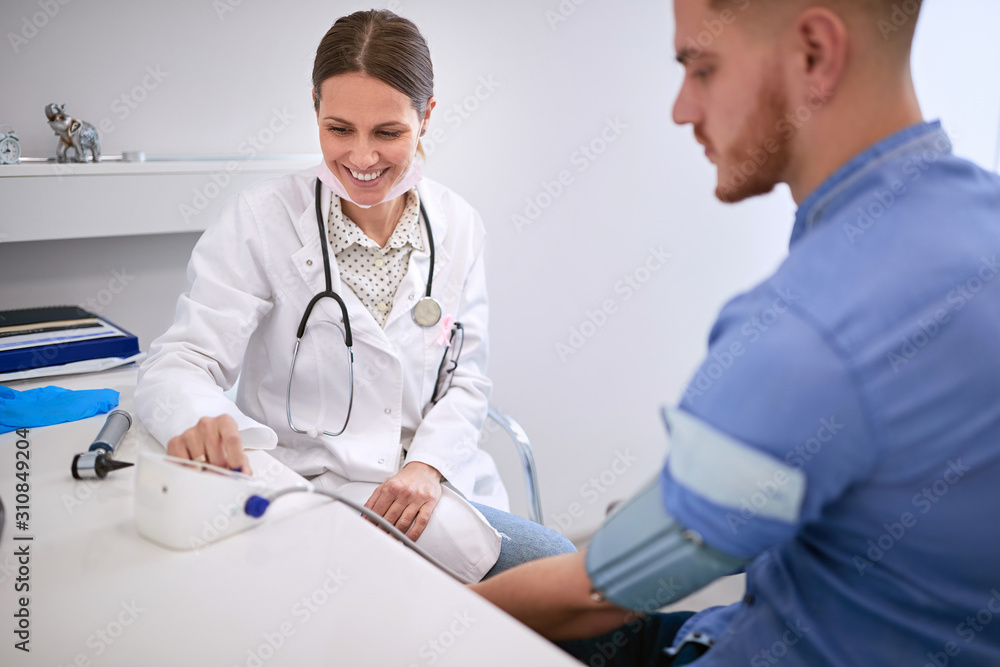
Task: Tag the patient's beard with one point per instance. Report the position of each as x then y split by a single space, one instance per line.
749 168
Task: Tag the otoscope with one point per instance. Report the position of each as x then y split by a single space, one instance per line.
97 461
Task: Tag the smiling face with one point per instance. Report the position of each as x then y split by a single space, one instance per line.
734 97
368 133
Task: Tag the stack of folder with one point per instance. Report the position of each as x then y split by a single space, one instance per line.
59 337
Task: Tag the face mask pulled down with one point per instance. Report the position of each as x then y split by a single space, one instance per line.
412 176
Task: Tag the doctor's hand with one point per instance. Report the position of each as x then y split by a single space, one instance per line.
214 440
407 499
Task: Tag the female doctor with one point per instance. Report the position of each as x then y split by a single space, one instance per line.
398 425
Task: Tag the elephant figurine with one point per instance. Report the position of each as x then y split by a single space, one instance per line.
73 133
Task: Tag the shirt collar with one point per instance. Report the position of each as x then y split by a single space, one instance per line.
407 230
344 232
905 142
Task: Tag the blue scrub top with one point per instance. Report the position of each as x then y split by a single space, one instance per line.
871 362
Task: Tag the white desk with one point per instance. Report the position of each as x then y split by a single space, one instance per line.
313 585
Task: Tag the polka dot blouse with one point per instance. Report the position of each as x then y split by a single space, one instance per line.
373 272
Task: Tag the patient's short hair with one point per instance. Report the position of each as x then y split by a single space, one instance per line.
890 21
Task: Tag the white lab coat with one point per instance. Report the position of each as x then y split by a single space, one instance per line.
251 276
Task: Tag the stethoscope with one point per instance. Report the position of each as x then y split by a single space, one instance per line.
426 313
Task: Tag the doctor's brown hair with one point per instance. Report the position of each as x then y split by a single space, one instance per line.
382 45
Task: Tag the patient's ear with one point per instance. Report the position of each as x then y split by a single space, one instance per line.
820 42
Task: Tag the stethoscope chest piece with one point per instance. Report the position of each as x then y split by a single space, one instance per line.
427 312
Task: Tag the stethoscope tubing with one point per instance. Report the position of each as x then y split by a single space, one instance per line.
328 273
348 338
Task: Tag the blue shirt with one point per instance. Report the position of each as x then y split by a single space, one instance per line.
870 361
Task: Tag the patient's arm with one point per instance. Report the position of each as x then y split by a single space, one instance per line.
552 597
641 558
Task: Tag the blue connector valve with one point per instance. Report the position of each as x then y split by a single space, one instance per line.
256 506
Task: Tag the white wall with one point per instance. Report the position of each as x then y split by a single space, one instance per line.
554 87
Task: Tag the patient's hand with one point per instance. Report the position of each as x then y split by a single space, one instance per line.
408 498
215 440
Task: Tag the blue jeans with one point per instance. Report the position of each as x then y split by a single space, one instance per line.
522 540
639 643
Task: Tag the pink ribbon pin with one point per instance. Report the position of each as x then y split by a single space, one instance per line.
447 322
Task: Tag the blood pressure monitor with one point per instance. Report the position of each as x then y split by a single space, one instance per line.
185 504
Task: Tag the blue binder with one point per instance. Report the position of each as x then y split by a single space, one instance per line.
55 321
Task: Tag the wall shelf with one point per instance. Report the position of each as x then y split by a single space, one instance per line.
50 201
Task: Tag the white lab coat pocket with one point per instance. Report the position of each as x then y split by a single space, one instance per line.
457 534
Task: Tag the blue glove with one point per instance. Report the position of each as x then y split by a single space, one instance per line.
51 405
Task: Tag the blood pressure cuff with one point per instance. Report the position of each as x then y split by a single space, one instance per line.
642 559
740 497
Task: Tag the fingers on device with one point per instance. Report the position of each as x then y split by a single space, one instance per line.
99 460
185 504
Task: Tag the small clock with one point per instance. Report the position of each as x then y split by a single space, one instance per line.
10 149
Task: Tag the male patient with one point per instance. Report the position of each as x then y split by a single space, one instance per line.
841 442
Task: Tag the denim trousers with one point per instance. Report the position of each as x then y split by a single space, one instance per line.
522 540
639 643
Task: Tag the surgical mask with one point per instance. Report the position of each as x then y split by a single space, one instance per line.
412 176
